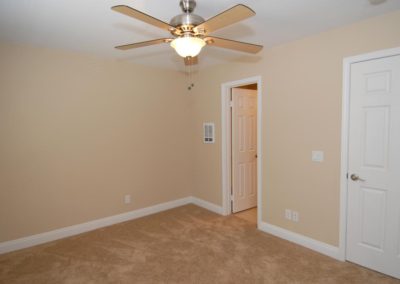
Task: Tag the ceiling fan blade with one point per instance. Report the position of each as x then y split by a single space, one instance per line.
128 11
191 60
233 15
143 43
233 44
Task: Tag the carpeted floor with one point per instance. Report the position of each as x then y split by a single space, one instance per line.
249 215
182 245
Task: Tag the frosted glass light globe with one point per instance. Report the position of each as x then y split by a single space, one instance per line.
188 46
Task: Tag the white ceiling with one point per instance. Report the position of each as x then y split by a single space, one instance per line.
91 26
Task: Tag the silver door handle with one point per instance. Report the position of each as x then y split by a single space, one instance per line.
356 178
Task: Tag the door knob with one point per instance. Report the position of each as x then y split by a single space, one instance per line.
356 178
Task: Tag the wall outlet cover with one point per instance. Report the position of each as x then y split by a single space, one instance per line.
127 199
295 216
288 214
317 156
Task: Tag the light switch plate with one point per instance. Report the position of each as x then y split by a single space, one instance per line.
317 156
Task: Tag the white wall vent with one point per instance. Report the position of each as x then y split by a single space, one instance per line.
208 133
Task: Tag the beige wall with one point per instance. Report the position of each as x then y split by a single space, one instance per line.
302 84
77 133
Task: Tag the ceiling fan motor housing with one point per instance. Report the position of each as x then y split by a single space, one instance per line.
187 20
190 20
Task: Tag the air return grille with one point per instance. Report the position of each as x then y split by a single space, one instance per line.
209 133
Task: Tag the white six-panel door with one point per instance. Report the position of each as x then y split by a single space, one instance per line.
373 222
244 149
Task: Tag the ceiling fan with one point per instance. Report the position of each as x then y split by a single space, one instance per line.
190 31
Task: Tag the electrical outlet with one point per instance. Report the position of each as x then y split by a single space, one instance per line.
295 216
127 199
317 156
288 214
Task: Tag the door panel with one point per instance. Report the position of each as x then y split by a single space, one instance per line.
373 208
244 149
373 221
375 142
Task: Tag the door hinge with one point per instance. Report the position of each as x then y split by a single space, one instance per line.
231 197
231 104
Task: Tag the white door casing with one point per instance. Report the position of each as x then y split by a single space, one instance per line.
373 210
244 149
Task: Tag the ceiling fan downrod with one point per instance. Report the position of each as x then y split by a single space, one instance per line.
188 5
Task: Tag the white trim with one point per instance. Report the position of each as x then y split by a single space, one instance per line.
226 148
207 205
226 133
347 62
304 241
103 222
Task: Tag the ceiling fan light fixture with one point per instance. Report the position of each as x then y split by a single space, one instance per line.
190 32
188 46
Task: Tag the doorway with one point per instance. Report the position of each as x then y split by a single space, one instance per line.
241 148
244 148
370 190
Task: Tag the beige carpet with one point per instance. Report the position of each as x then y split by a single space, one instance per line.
249 215
183 245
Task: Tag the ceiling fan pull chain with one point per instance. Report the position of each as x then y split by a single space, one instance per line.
189 76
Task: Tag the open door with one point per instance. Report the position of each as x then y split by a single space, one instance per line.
244 149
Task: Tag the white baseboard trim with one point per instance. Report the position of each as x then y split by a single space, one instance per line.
302 240
33 240
207 205
65 232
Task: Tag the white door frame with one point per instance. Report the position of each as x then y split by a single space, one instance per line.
347 62
226 145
